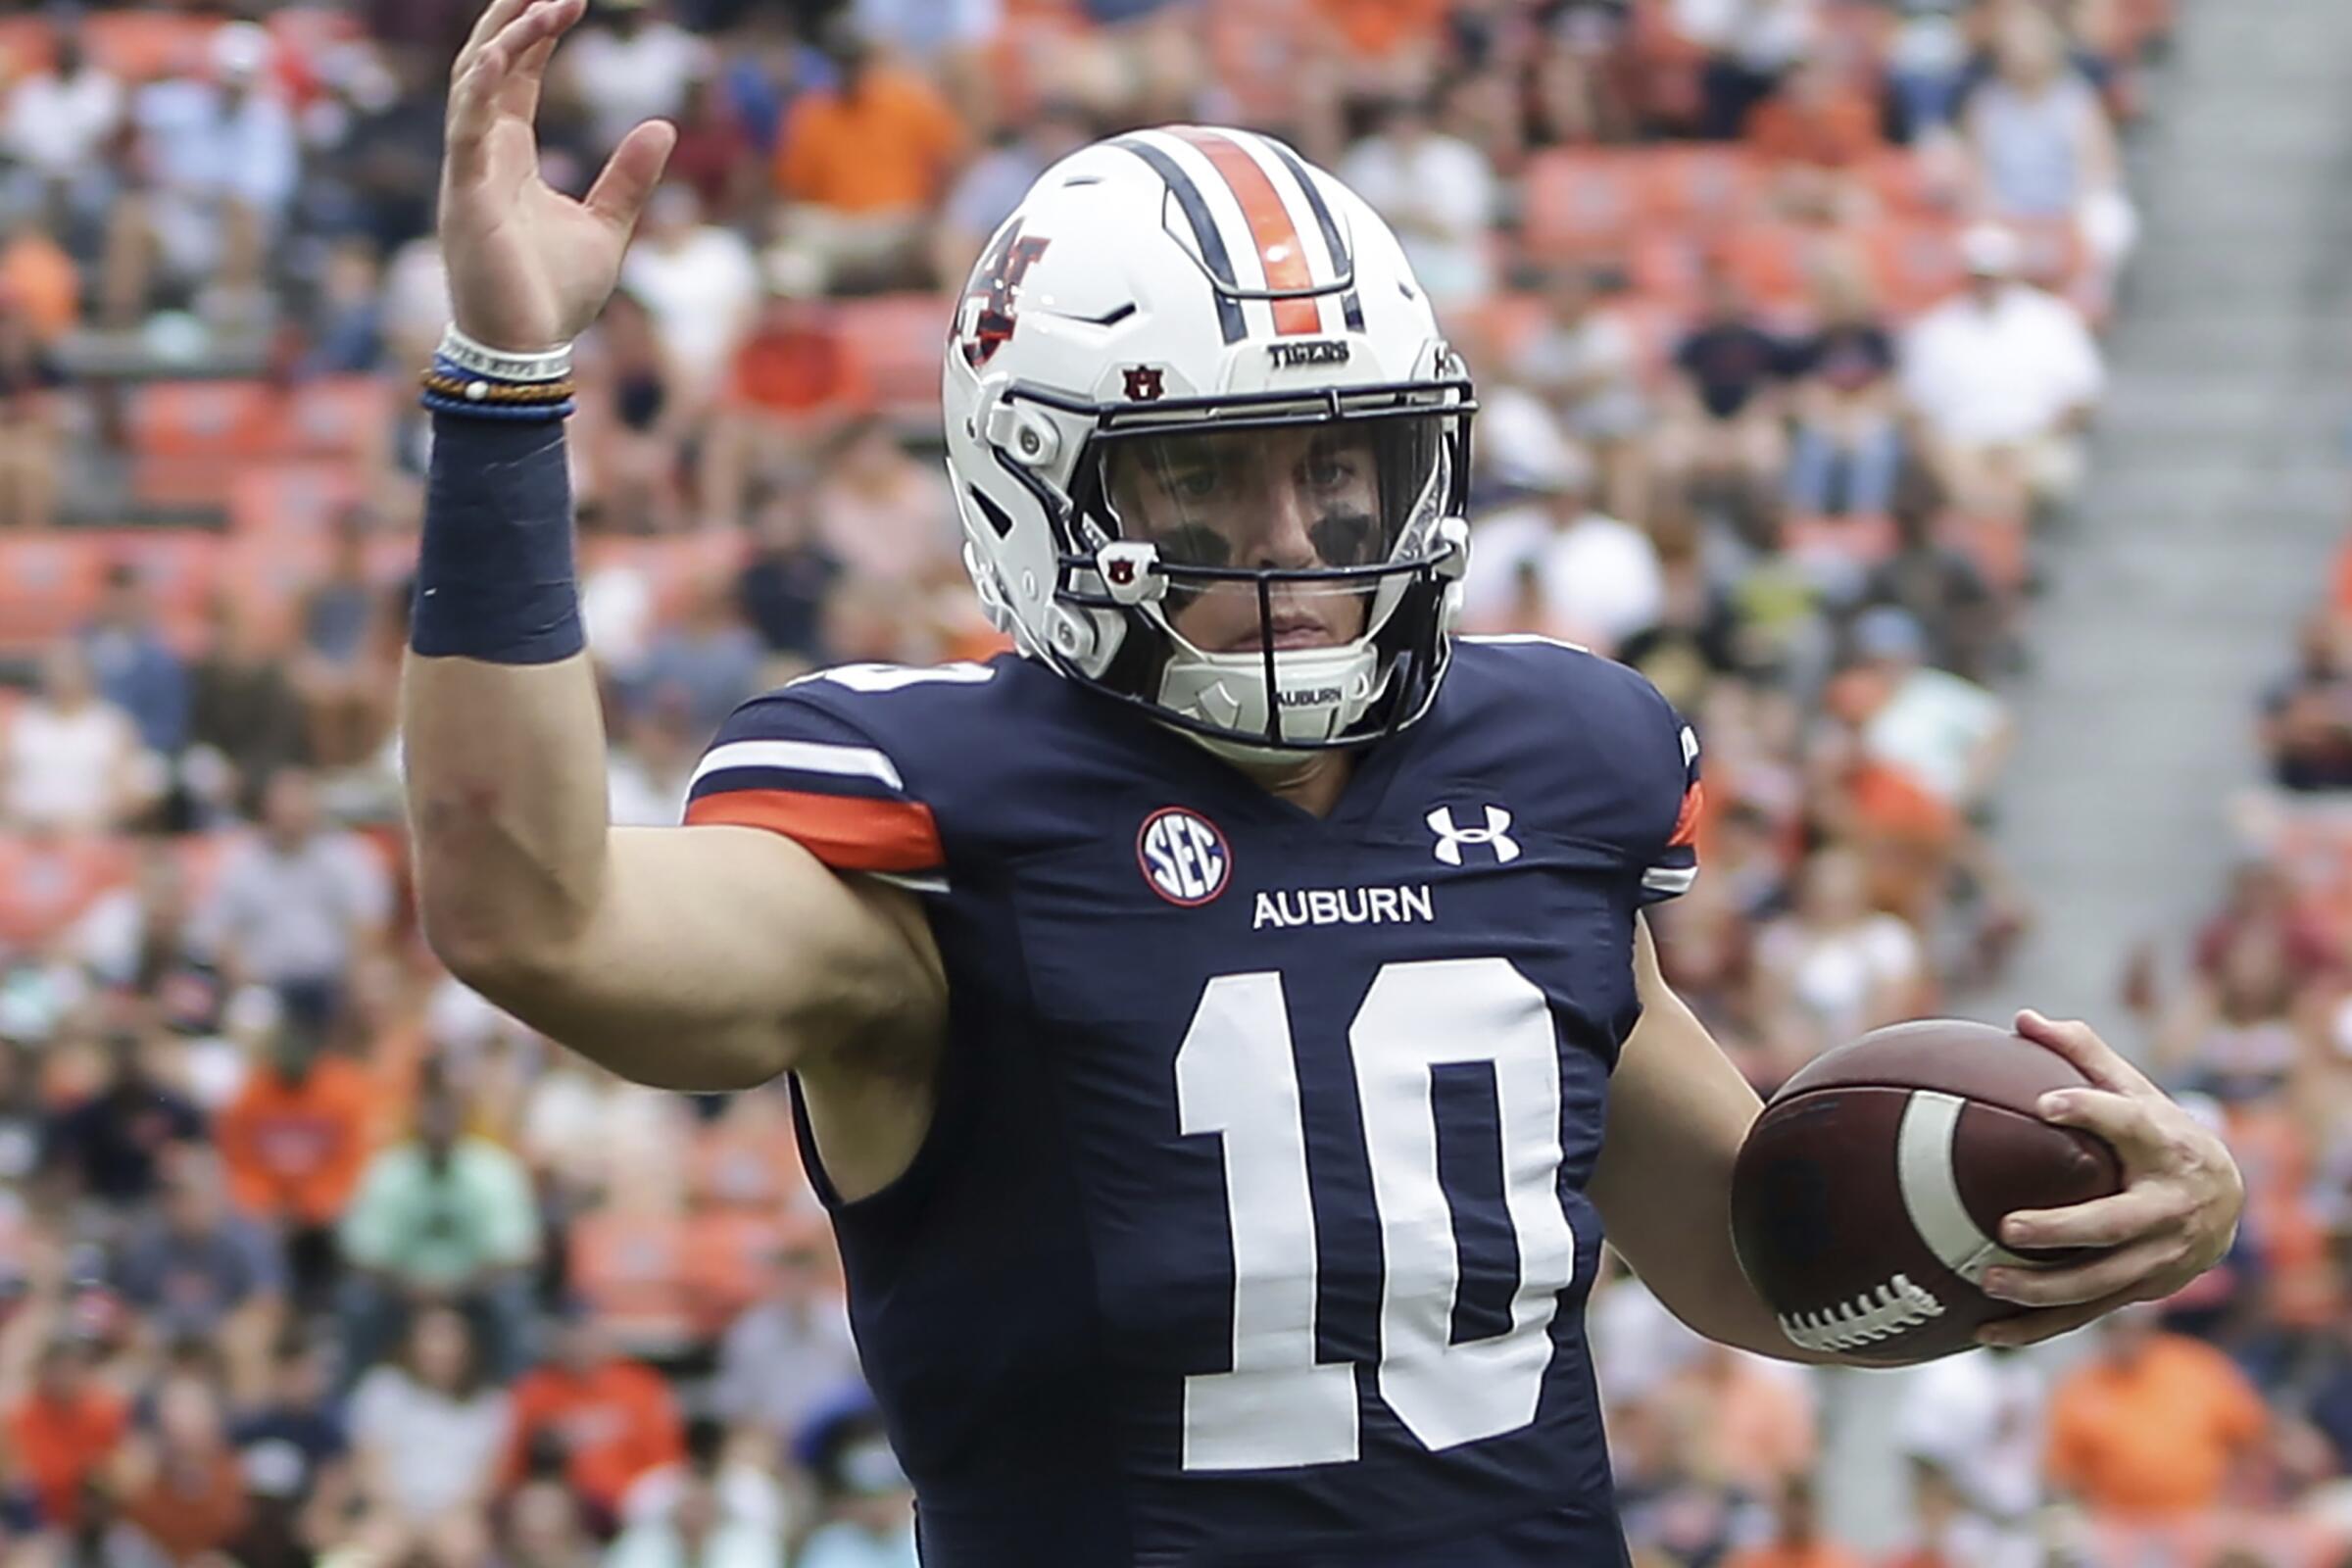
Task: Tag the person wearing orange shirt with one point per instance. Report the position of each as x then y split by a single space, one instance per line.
2153 1426
295 1138
604 1419
861 166
63 1431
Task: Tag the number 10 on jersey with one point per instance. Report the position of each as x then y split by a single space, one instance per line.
1236 1076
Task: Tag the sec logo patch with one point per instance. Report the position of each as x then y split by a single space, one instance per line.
1183 857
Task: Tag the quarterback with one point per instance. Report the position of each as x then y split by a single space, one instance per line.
1222 1031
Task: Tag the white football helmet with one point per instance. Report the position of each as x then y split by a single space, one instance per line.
1209 447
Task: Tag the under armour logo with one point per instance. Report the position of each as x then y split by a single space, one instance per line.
1495 835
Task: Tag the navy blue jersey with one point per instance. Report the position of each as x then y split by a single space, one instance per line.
1251 1226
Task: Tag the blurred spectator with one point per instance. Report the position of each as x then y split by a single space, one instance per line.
1797 1540
2003 378
1816 133
1972 1427
72 759
860 167
785 583
790 1352
195 1270
885 516
111 1146
1947 735
295 1441
630 63
299 902
39 282
707 661
796 379
1848 450
655 745
1556 564
1946 1533
136 670
993 184
606 1421
1749 44
2263 897
296 1138
544 1527
428 1432
698 282
60 119
2234 1034
28 427
218 159
345 706
2152 1426
246 719
715 156
1834 968
1438 193
1941 588
1723 432
1748 1421
346 327
179 1481
2041 142
63 1431
739 1474
636 412
861 1491
695 1532
2307 714
1927 62
1585 361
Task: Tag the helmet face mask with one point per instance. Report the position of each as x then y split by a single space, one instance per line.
1174 497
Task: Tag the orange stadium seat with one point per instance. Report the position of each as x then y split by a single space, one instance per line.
192 439
632 1268
48 583
897 338
1915 265
1700 187
48 882
1774 261
143 43
1586 202
729 1262
1493 330
297 498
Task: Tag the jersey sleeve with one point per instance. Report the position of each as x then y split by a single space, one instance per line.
1674 866
785 764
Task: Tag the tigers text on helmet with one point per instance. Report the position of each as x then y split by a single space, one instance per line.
1209 447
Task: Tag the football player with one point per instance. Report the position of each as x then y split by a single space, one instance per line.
1221 1030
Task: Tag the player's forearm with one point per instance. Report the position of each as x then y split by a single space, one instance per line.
503 741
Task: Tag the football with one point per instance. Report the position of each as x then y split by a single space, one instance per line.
1868 1195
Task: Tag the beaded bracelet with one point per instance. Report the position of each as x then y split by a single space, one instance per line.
504 413
474 389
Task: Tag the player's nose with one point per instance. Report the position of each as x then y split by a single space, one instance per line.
1286 540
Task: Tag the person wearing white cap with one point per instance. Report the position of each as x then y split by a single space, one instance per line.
1556 564
2003 378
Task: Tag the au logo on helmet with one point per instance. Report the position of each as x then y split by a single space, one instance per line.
995 286
1145 383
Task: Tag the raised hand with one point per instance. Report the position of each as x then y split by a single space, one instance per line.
528 267
2172 1220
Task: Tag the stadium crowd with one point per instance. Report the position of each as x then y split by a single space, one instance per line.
1785 316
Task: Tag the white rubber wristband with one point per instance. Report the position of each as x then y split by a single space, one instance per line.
550 364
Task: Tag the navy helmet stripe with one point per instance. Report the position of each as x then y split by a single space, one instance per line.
1342 265
1204 230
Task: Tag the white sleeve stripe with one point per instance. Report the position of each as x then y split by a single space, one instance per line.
1690 745
805 757
1670 878
912 883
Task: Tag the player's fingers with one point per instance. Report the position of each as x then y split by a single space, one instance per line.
470 115
2140 1209
486 26
2032 1328
2121 1271
631 173
2080 1045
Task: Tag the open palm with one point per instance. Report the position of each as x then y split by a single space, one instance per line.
529 267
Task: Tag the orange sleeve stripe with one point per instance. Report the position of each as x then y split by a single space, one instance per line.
846 832
1686 822
1271 231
